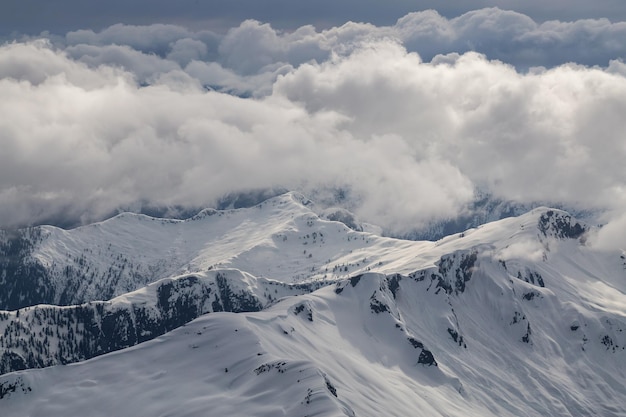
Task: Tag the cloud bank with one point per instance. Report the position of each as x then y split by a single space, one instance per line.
35 16
409 120
254 47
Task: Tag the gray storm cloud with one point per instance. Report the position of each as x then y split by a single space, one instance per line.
409 118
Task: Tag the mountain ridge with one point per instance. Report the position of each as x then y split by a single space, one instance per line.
121 254
522 308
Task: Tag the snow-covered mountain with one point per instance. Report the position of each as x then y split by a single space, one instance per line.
99 261
308 317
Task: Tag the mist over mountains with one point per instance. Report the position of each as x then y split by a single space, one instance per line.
412 122
275 211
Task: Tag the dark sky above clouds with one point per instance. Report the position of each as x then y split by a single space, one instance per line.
60 16
178 103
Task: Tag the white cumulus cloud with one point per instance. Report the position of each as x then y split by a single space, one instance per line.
408 120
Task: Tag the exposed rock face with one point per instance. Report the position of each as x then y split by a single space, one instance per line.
561 225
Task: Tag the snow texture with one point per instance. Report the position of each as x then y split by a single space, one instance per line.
309 317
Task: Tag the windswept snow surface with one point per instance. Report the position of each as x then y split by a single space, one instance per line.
519 317
281 239
331 354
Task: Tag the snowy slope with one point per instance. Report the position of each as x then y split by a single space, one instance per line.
47 335
516 317
281 238
330 354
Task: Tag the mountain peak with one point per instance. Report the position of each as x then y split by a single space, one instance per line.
560 224
452 324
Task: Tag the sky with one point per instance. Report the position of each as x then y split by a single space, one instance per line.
61 16
407 107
